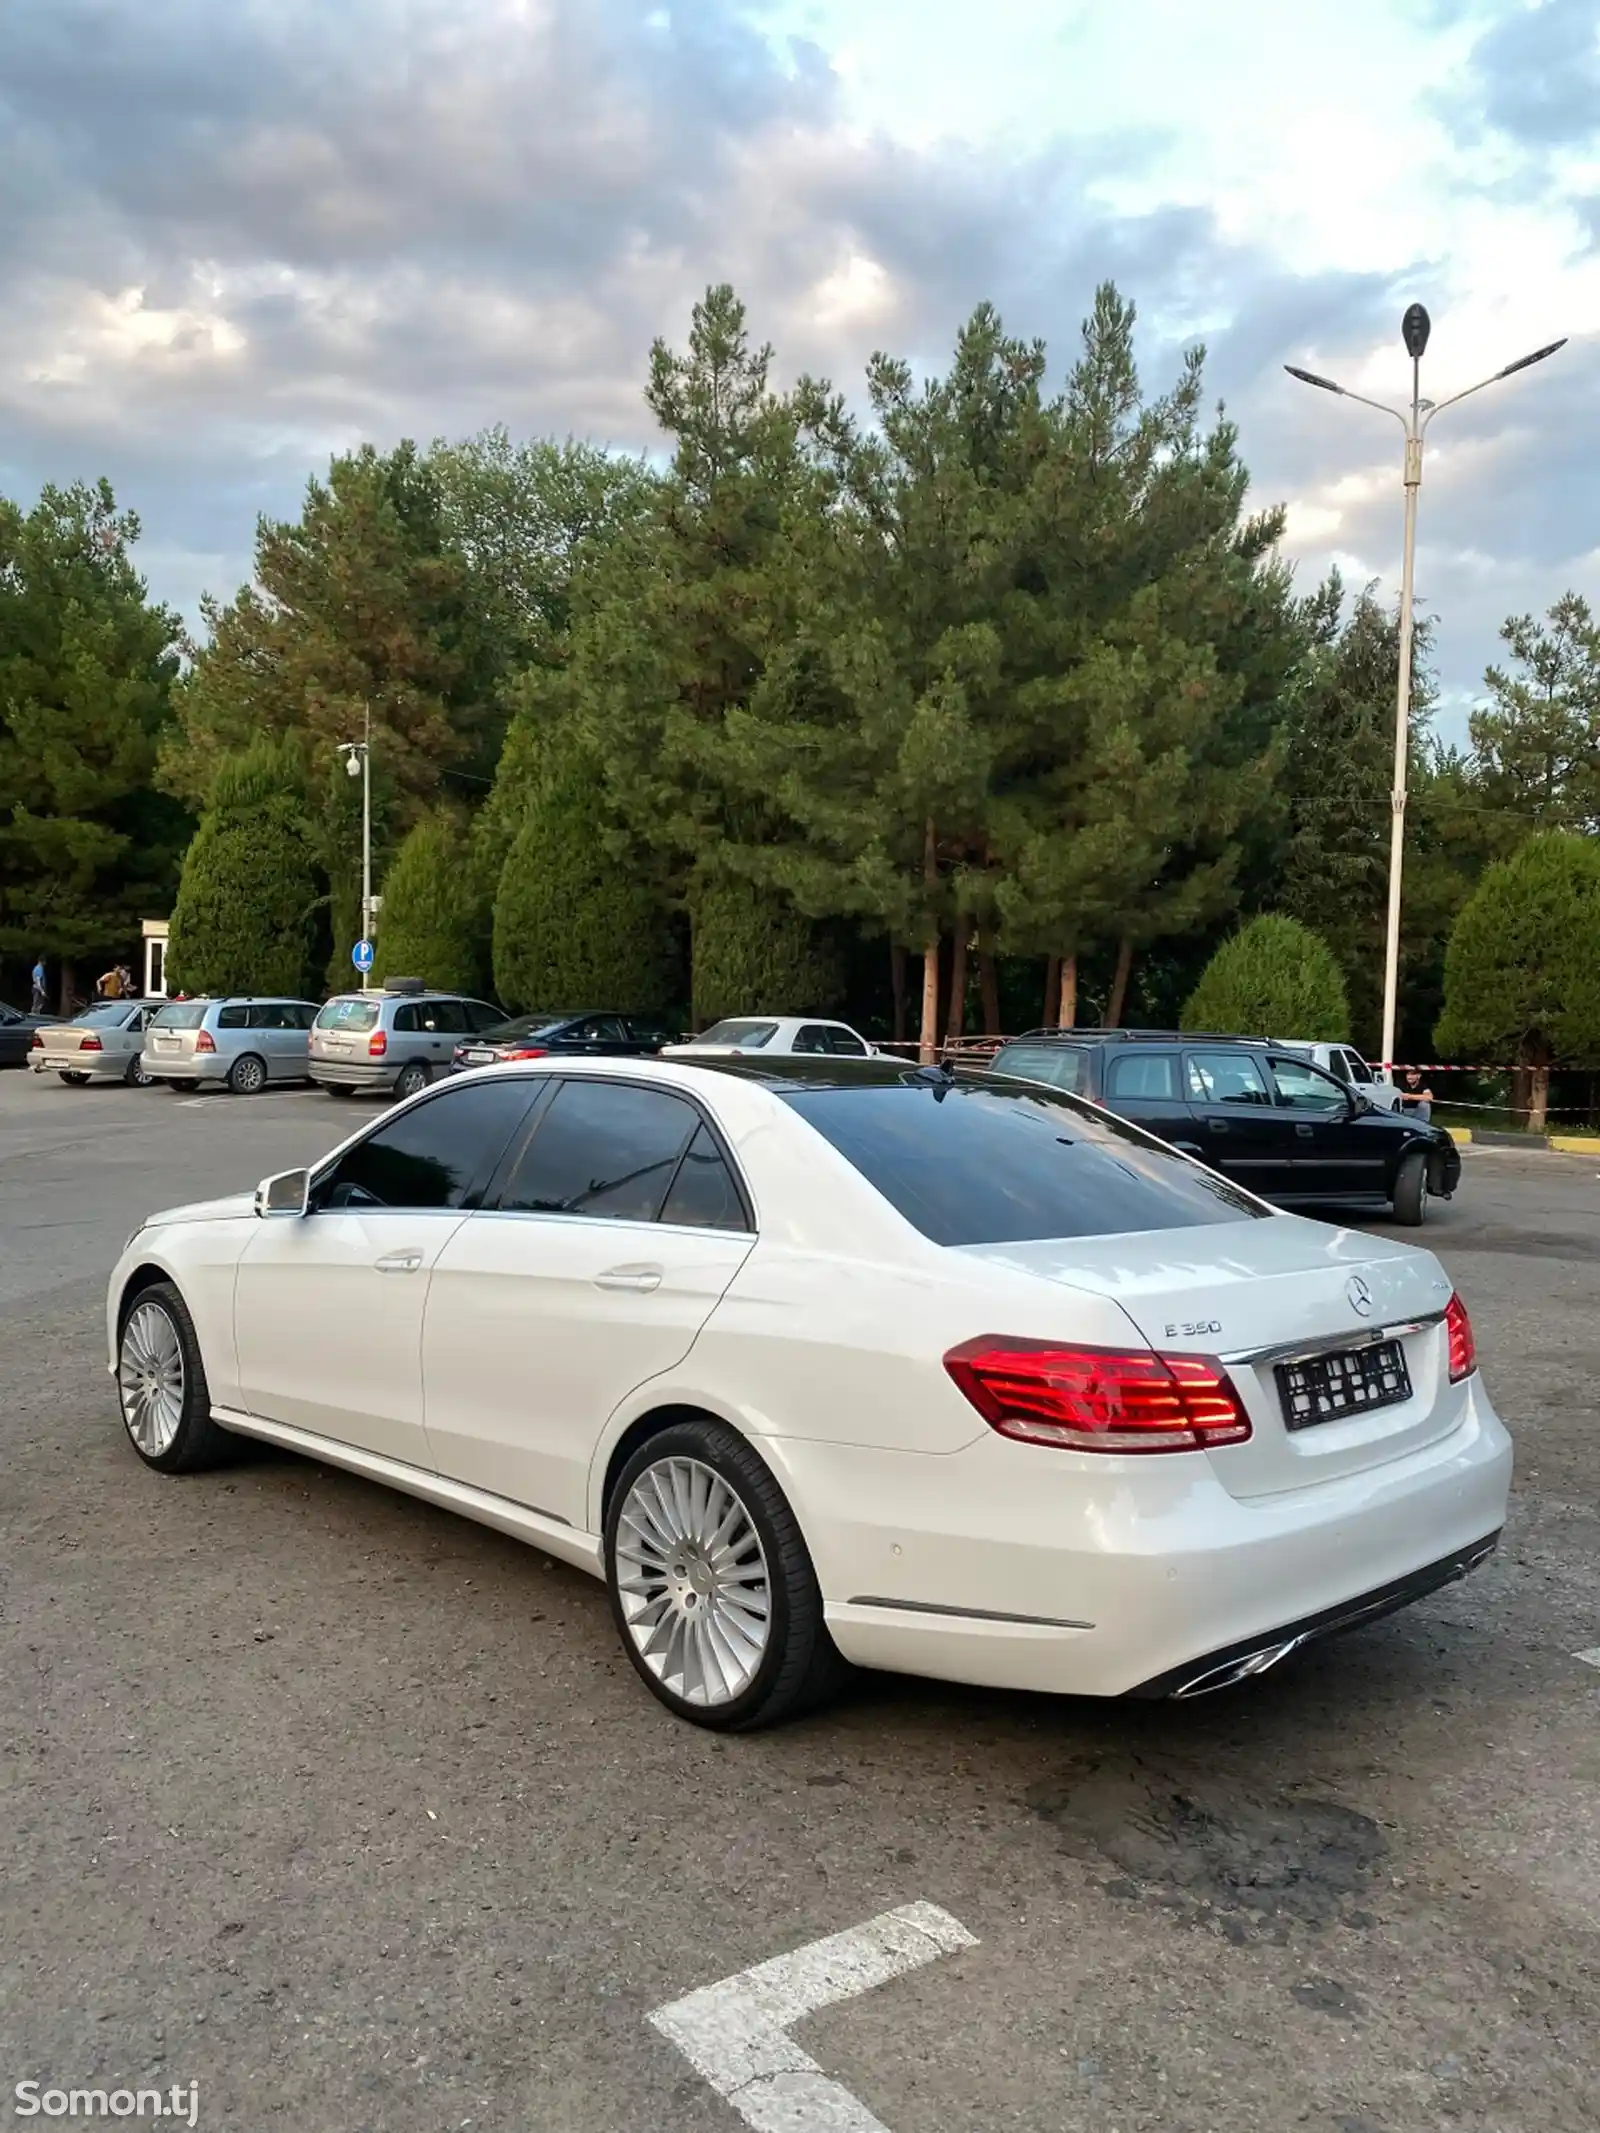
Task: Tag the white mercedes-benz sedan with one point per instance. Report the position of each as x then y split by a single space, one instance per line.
826 1360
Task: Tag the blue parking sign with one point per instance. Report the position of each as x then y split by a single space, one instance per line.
361 956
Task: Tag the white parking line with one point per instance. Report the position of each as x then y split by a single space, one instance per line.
1589 1658
734 2033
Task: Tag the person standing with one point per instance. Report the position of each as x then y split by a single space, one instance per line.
109 984
40 1002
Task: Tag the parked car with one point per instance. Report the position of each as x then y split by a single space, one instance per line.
104 1043
1258 1112
17 1033
944 1374
774 1037
589 1035
397 1039
237 1044
1346 1064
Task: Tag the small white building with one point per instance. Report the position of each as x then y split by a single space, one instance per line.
155 932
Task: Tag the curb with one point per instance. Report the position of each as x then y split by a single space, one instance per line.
1575 1143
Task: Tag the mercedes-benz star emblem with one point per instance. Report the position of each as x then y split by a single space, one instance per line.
1359 1294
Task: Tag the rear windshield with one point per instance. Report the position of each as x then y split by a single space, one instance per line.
183 1014
752 1035
348 1014
971 1163
1060 1064
525 1026
117 1012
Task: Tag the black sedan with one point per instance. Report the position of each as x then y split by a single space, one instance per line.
16 1033
593 1034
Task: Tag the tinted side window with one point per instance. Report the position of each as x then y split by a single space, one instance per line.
480 1016
1061 1065
812 1038
272 1014
602 1148
703 1194
405 1021
1226 1078
844 1044
1357 1066
233 1018
434 1155
1303 1087
995 1165
1151 1075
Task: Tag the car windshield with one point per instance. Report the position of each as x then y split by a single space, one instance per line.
348 1014
749 1036
182 1014
978 1163
524 1026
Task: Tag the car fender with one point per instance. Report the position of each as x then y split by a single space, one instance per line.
201 1260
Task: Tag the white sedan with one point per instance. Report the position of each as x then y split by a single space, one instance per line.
774 1037
810 1361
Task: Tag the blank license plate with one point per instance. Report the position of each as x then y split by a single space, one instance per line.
1324 1387
478 1058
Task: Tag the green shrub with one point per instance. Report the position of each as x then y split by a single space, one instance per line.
1274 978
573 927
432 924
249 894
754 955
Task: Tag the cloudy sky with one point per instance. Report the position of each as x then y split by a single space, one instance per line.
238 235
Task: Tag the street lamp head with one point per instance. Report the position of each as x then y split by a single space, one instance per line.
1538 356
1414 330
1309 377
352 763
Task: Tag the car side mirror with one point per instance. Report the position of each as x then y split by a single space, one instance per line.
289 1193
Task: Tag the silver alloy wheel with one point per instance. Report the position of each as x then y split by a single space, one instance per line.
150 1378
137 1075
692 1579
247 1076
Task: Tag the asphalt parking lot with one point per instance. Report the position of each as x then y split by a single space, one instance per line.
354 1815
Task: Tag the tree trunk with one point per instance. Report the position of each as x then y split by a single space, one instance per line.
928 1048
1119 984
989 992
1068 1015
1052 992
68 989
897 987
956 1027
1538 1098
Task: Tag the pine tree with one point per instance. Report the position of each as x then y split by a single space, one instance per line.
431 925
1274 978
1536 744
573 928
1522 979
751 955
247 901
87 664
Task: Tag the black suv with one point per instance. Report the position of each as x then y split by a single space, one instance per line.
1255 1111
593 1034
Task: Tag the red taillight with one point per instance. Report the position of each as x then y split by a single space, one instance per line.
1099 1399
90 1044
38 1041
528 1051
205 1042
377 1044
1463 1348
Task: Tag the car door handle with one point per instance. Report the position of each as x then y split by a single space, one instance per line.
1304 1132
640 1279
405 1262
1216 1125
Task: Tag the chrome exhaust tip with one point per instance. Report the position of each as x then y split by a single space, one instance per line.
1233 1671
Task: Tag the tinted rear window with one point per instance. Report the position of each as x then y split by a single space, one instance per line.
348 1014
1060 1064
112 1017
977 1164
750 1034
185 1014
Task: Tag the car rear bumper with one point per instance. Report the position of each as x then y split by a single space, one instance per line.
354 1073
187 1066
97 1066
1017 1567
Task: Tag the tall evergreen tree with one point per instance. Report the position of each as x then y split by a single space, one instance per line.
87 665
246 908
432 925
1536 743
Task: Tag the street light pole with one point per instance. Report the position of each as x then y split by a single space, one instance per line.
358 760
1414 330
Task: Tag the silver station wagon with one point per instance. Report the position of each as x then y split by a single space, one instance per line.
239 1044
397 1039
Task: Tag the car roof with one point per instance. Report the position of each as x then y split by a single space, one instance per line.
1138 1036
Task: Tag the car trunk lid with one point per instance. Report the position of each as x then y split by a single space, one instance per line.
1259 1295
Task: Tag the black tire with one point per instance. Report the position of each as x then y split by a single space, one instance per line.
248 1074
411 1080
74 1081
198 1441
136 1077
338 1088
1411 1190
800 1667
